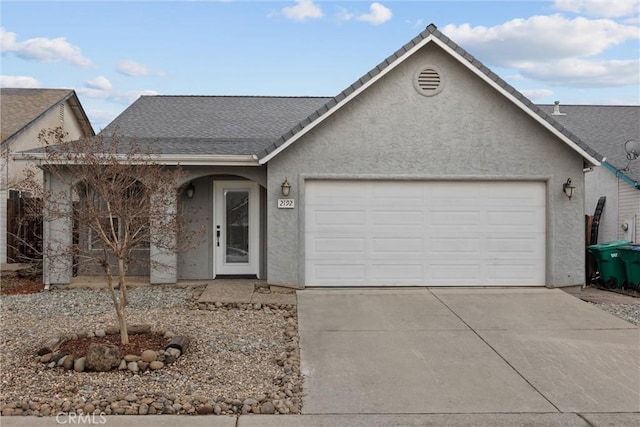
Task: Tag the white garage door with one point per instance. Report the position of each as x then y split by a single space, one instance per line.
399 233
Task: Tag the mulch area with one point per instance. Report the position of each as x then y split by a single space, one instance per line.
14 285
137 344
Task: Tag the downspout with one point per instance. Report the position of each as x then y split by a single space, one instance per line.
622 176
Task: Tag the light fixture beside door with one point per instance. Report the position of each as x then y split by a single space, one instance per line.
191 190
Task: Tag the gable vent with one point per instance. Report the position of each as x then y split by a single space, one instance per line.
428 81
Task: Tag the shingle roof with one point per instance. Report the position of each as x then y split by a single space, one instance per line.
21 107
431 30
605 128
211 124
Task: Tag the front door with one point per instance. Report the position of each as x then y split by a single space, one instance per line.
236 228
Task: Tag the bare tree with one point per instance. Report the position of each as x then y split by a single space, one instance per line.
114 193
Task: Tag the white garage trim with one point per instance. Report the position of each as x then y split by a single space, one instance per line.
424 233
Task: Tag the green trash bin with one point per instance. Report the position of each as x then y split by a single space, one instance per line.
609 262
631 260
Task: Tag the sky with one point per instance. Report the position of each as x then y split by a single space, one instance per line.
112 52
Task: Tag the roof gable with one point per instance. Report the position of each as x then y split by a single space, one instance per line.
19 108
430 35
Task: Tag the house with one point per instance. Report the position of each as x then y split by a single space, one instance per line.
428 170
607 128
24 114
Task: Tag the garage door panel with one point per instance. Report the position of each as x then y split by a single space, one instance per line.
424 233
452 218
511 245
456 274
342 272
398 217
513 274
398 272
397 245
454 246
338 245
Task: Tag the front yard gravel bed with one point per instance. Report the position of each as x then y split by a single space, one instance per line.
242 358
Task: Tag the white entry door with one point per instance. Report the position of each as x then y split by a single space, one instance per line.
236 228
396 233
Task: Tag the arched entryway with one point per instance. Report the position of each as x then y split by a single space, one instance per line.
226 213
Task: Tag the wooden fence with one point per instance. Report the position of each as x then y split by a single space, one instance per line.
24 230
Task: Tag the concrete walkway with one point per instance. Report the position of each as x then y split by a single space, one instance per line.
465 351
354 420
245 291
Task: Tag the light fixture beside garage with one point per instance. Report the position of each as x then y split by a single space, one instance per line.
286 188
568 188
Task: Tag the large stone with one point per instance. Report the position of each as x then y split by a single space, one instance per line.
205 409
68 362
103 357
131 358
149 356
79 364
155 365
267 408
143 409
133 366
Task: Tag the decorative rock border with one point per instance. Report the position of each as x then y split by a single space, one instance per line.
106 357
286 399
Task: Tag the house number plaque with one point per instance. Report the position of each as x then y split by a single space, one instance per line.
286 203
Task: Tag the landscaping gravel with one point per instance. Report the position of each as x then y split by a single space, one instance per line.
242 358
628 312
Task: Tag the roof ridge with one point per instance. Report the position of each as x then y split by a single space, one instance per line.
237 96
430 31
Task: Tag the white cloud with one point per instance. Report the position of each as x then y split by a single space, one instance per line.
344 14
123 97
378 14
43 49
100 82
136 69
100 118
541 38
576 72
18 81
553 48
303 10
600 8
534 94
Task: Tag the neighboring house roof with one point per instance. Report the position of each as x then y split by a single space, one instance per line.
606 128
431 34
215 125
19 108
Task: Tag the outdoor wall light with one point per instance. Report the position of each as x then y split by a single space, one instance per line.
567 188
286 188
191 190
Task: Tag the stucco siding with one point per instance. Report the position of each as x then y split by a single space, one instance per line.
601 182
467 132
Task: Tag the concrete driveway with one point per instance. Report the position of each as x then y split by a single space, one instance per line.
465 351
